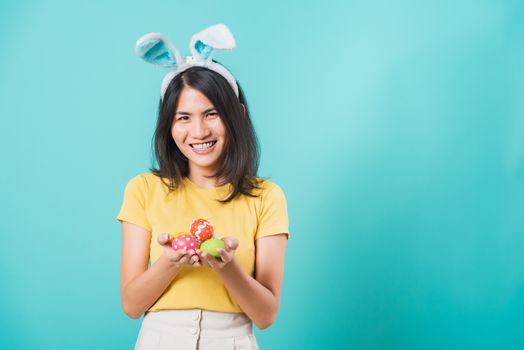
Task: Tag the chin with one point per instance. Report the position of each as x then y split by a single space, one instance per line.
204 164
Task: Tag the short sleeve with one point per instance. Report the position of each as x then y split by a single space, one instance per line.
273 216
133 208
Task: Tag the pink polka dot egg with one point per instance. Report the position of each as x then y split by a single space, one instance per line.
186 242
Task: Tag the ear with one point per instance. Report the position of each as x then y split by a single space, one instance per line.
243 109
217 37
156 49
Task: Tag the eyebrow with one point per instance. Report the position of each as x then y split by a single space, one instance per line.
206 111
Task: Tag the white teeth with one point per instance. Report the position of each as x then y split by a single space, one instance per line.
202 146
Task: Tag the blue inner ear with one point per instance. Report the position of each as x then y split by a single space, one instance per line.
203 50
157 52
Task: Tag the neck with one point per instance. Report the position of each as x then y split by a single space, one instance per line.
202 179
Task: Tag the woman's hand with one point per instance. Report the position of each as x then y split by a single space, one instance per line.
179 257
226 255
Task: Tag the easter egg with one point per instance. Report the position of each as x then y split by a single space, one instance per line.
201 229
174 235
211 245
185 241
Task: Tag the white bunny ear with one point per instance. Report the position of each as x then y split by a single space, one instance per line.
156 49
217 37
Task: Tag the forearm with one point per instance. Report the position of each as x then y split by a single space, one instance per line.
139 294
257 301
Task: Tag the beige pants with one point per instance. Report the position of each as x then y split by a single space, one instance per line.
196 329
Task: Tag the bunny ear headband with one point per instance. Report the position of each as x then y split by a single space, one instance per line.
156 49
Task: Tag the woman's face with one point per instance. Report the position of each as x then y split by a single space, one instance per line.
198 131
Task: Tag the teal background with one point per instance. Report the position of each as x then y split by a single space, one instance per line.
394 127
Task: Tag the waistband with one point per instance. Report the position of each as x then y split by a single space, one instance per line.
198 322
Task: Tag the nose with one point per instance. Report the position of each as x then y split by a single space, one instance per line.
200 129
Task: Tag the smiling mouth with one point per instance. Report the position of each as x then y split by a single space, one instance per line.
202 146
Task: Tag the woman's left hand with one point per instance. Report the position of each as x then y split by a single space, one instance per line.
226 254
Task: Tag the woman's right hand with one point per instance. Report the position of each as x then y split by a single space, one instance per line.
179 257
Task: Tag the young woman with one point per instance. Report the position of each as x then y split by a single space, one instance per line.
207 156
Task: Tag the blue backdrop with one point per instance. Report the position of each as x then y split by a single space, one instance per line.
395 129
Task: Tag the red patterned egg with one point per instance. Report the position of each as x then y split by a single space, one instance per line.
201 229
186 242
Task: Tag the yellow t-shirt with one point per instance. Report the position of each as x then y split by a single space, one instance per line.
147 204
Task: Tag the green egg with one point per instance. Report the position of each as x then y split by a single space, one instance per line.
211 245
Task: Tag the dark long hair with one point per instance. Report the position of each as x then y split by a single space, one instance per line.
240 157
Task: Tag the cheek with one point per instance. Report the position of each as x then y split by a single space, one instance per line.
178 132
220 128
